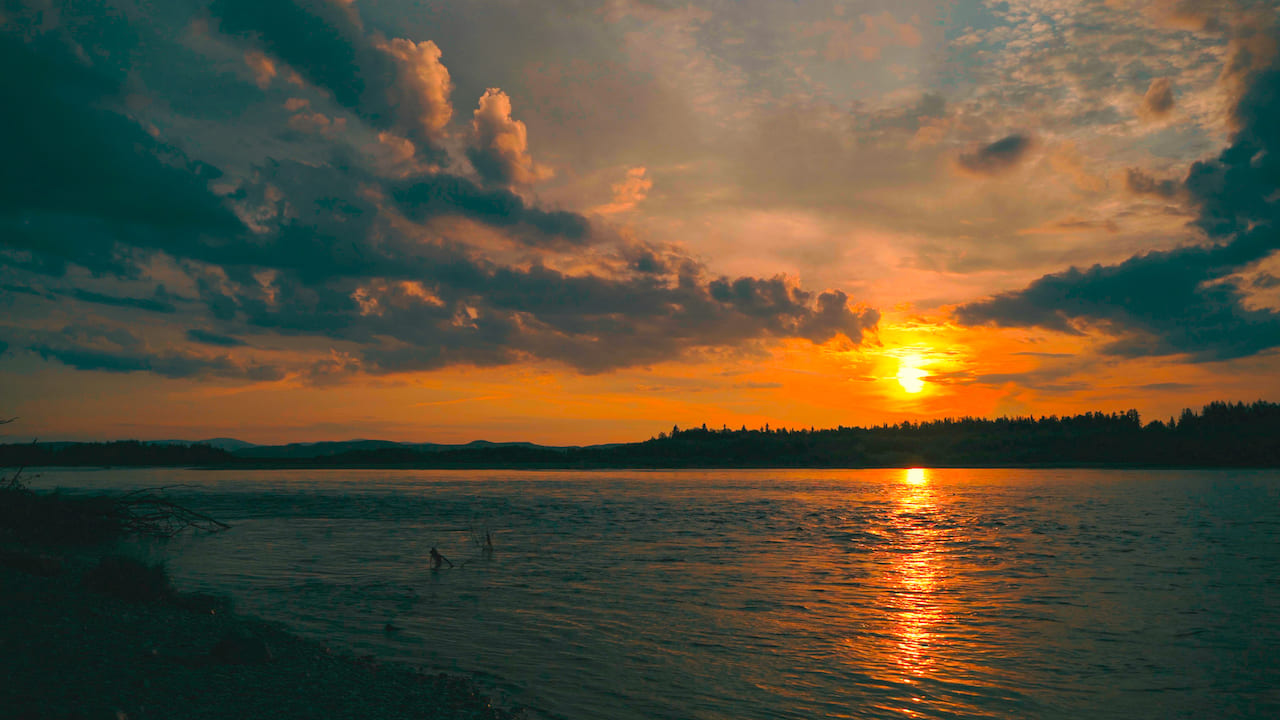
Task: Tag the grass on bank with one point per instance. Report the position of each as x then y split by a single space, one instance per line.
35 526
58 519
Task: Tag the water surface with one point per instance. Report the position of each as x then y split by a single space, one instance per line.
770 594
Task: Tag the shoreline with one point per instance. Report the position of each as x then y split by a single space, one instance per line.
654 468
69 652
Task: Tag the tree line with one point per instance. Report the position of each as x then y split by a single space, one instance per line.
1220 435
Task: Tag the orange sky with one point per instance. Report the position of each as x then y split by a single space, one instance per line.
575 223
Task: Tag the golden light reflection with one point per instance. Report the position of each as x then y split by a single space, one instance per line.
917 574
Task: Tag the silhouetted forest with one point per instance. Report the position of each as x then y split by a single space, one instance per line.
120 453
1220 435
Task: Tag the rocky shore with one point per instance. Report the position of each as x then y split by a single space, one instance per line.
71 648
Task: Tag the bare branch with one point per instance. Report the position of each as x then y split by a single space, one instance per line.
148 514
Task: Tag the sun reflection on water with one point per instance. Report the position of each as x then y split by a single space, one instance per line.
917 611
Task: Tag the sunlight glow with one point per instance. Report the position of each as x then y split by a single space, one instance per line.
917 476
911 378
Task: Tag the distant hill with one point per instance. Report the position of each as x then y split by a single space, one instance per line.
310 450
331 449
228 444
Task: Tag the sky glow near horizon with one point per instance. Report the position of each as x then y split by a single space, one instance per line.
577 222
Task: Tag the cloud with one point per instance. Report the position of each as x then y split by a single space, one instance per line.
324 42
421 95
313 123
1158 102
208 338
263 68
1161 303
999 156
845 38
436 305
394 84
119 351
628 193
1190 15
326 247
1167 387
428 196
159 303
164 364
1140 183
499 148
595 323
1179 301
78 173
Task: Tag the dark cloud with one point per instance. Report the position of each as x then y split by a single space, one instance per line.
1159 304
167 364
324 42
1237 190
1158 101
25 290
208 338
394 84
119 351
931 105
159 303
1140 183
460 309
645 260
1166 387
780 302
428 196
342 269
1179 301
997 157
78 174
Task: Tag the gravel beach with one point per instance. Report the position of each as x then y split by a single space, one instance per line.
67 651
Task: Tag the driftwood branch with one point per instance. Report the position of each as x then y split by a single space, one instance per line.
14 481
146 513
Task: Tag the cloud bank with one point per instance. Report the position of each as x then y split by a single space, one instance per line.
1185 301
382 271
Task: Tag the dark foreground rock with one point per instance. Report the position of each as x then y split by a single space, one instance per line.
67 652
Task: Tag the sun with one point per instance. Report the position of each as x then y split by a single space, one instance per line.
910 377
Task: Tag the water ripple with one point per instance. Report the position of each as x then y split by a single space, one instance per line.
770 594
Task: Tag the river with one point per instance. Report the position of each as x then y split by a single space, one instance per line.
630 595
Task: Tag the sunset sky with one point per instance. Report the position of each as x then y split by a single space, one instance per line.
572 222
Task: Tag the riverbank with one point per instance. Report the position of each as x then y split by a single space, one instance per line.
68 652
